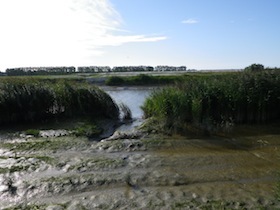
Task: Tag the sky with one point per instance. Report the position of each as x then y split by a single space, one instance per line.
199 34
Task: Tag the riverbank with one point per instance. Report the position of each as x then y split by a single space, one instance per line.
51 167
143 171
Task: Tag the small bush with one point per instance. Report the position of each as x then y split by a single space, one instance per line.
254 68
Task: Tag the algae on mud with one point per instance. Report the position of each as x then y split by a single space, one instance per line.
151 172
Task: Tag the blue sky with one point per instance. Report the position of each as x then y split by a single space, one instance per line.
201 34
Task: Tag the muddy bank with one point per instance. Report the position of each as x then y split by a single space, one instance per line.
138 171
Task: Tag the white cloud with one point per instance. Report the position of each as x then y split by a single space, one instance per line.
190 21
114 40
59 32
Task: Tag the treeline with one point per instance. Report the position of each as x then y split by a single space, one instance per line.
86 69
218 101
40 71
29 100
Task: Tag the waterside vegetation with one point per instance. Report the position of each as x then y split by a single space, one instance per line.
143 79
157 171
35 100
217 101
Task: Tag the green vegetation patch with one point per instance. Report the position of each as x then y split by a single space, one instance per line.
88 130
32 100
143 79
42 144
218 101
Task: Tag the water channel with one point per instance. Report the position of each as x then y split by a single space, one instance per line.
134 98
236 171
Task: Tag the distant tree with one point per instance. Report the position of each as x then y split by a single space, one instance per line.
254 68
15 72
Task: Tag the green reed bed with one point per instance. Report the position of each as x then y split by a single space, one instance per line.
218 101
143 79
33 100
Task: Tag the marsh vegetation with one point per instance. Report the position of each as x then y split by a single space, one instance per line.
217 101
62 168
24 100
142 79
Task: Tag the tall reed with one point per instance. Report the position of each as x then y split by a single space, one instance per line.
32 100
213 102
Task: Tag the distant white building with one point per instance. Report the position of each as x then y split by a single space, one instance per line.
94 69
170 68
132 68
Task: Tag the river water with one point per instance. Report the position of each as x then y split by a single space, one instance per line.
134 98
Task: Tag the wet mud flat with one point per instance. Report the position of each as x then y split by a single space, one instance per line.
139 171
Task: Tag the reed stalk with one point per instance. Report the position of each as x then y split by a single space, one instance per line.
213 102
33 100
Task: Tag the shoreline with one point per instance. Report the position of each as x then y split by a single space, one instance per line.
144 171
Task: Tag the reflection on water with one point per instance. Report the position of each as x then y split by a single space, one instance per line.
133 97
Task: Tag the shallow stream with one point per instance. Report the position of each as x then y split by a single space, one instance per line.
134 98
